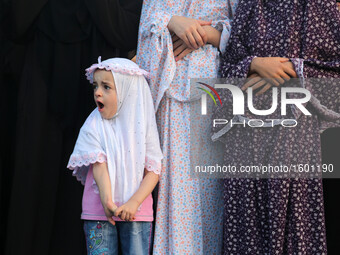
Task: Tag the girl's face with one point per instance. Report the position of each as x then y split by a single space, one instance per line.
104 91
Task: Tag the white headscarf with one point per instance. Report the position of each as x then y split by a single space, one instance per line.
128 142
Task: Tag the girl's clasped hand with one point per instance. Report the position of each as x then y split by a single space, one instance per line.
125 212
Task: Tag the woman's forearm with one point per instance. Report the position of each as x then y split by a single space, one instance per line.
214 36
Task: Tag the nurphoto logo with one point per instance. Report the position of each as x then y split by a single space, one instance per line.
238 99
239 104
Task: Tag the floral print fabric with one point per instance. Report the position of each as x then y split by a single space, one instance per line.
187 220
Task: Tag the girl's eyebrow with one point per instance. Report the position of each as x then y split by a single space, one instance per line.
106 82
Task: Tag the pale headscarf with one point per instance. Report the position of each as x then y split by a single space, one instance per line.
128 142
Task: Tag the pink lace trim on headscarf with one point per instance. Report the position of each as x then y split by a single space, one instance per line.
115 68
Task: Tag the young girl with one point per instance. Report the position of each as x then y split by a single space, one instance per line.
118 158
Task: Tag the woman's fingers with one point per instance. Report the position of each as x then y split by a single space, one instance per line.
203 22
278 69
178 44
179 50
183 54
198 38
273 67
256 82
280 80
283 60
272 81
189 30
251 82
203 34
285 76
253 75
259 84
174 38
289 69
264 89
192 42
186 41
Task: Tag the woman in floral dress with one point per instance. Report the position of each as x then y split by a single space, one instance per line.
180 40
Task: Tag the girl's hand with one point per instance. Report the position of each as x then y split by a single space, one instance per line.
189 30
180 48
279 69
109 209
128 210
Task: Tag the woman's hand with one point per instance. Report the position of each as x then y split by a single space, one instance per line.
189 30
256 82
128 210
180 48
278 69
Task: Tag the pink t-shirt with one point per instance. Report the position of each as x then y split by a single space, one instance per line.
93 209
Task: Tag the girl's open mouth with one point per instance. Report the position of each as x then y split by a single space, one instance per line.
100 105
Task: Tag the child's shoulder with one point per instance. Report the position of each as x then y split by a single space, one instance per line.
92 120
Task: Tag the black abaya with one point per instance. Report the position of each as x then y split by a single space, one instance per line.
331 187
63 37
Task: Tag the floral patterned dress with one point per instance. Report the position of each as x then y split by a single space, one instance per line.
189 215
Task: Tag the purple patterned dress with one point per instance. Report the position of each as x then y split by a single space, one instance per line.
281 216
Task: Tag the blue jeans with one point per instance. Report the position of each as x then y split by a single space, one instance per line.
133 238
